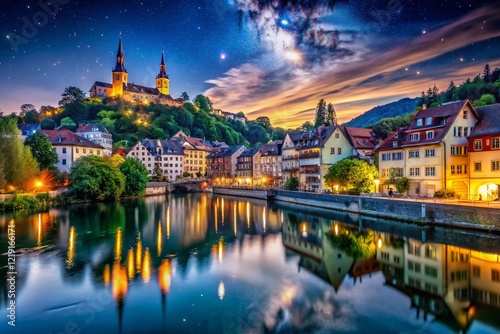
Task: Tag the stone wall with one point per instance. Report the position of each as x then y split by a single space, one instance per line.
251 193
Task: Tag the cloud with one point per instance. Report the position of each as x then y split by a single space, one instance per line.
357 80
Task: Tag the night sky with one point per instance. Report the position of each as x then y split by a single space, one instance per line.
273 58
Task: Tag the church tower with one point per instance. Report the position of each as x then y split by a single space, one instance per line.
162 80
119 72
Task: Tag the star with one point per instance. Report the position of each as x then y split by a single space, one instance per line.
223 56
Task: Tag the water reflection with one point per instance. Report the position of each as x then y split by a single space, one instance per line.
236 265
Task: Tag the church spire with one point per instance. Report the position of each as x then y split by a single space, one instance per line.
120 58
163 67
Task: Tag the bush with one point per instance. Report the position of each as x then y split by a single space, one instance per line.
136 177
186 174
445 193
292 183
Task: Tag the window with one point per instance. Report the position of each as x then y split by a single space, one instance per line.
495 143
430 135
77 150
84 151
385 256
418 267
466 130
414 171
414 154
339 151
337 135
465 114
396 259
495 165
458 150
332 150
419 122
64 150
397 156
430 252
428 121
386 156
394 144
64 162
415 137
431 271
411 265
495 275
430 171
477 166
430 152
478 145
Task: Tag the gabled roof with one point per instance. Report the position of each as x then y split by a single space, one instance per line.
102 84
67 138
219 144
91 128
397 137
159 147
442 121
271 149
120 151
489 121
198 144
359 138
225 152
249 152
316 138
295 135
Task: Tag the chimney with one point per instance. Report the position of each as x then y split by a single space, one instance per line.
424 106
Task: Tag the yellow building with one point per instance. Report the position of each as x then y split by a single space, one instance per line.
196 151
121 88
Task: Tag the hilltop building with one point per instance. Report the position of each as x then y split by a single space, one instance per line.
120 87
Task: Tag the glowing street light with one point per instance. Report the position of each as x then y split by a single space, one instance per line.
377 182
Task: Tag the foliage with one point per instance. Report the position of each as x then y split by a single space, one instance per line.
358 245
444 193
383 128
203 103
68 123
292 183
18 167
96 178
307 126
71 95
42 150
320 117
47 124
352 175
331 115
117 160
485 100
136 177
185 96
402 185
186 174
401 107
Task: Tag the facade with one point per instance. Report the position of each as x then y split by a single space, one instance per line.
97 134
223 162
248 167
196 151
70 147
436 149
120 87
160 157
270 160
28 129
290 155
391 158
484 154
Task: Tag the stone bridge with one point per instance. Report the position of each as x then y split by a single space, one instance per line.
178 187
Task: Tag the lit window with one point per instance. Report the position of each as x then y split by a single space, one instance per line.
477 166
495 166
478 145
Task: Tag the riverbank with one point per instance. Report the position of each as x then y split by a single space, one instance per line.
407 210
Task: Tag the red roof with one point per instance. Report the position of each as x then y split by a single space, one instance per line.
360 138
120 151
68 138
397 137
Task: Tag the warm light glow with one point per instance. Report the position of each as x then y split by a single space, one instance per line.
168 223
138 254
146 266
264 219
130 263
292 55
336 229
248 214
38 184
379 243
71 247
118 245
159 240
222 212
107 275
119 284
165 276
39 231
221 291
234 219
377 181
287 295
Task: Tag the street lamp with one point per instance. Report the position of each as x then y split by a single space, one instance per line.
377 182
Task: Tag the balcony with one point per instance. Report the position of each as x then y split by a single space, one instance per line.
290 157
291 169
310 170
307 155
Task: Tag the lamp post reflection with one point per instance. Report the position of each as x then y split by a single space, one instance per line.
221 290
71 247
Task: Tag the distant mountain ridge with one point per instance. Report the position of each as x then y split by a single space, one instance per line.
400 107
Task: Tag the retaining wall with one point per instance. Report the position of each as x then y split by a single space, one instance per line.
252 193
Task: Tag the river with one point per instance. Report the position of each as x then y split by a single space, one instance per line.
213 264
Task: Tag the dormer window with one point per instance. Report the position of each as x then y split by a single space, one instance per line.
419 122
428 121
394 144
430 135
415 137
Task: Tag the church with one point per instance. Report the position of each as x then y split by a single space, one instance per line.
130 92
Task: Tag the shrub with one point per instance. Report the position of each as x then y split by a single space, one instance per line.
444 193
292 183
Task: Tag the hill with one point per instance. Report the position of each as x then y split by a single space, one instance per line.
393 109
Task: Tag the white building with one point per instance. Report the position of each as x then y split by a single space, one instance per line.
97 134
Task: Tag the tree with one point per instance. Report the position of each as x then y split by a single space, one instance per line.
485 100
402 185
203 102
136 177
185 96
307 126
264 121
47 124
18 168
117 160
67 122
352 175
71 94
331 115
42 150
320 113
487 73
26 108
96 178
292 183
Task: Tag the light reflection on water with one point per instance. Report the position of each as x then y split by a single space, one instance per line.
186 263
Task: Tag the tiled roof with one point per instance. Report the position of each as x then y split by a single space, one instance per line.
199 144
67 138
90 127
295 135
315 138
271 149
442 120
489 121
225 152
249 152
103 84
168 147
397 137
120 151
360 138
131 87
